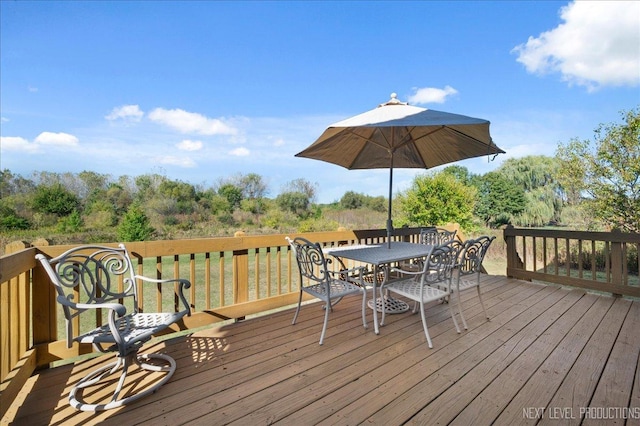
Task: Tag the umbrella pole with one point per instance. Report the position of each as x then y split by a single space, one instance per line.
389 220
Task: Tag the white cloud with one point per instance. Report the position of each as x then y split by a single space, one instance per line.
191 122
240 152
126 112
14 143
57 139
32 89
428 95
19 144
176 161
4 119
189 145
597 45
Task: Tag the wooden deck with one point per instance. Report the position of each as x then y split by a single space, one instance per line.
548 353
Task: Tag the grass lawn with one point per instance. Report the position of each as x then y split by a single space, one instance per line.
495 266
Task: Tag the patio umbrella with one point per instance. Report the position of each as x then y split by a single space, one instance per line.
399 135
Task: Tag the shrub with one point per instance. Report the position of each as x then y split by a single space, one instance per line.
71 223
135 225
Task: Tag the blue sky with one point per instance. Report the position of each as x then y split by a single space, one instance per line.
202 91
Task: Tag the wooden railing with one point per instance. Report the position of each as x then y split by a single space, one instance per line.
231 278
600 261
238 276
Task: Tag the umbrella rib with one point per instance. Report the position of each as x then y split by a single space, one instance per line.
408 138
442 126
367 140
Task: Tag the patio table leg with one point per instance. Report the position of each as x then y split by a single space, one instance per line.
376 327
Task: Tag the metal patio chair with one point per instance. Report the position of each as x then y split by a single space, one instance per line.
436 236
433 237
431 284
469 268
317 280
97 282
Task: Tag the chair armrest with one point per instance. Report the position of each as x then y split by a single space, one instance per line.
184 284
119 309
357 272
404 272
359 269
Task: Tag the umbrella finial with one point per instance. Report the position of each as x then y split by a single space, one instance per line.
394 101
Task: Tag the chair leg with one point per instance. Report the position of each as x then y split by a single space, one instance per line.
424 325
364 307
326 320
453 317
295 316
382 304
122 364
482 303
464 322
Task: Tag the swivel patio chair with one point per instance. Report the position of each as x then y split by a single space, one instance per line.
469 268
431 284
101 282
317 280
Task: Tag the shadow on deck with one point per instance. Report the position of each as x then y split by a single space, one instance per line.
547 354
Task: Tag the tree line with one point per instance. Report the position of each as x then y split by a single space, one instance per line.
589 185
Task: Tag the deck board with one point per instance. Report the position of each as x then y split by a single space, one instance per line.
544 382
522 356
545 347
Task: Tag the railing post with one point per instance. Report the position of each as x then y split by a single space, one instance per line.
513 260
240 273
616 260
44 304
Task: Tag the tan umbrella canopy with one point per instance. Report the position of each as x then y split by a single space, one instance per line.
398 135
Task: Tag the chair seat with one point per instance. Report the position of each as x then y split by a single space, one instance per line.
411 288
338 288
134 327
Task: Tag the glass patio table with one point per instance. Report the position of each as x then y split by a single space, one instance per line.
379 255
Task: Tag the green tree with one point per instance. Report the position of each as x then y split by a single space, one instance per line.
437 199
352 200
295 202
499 199
55 199
183 194
607 171
253 187
135 225
377 204
302 186
71 223
232 193
459 172
536 174
11 184
147 185
181 191
94 183
119 197
10 220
